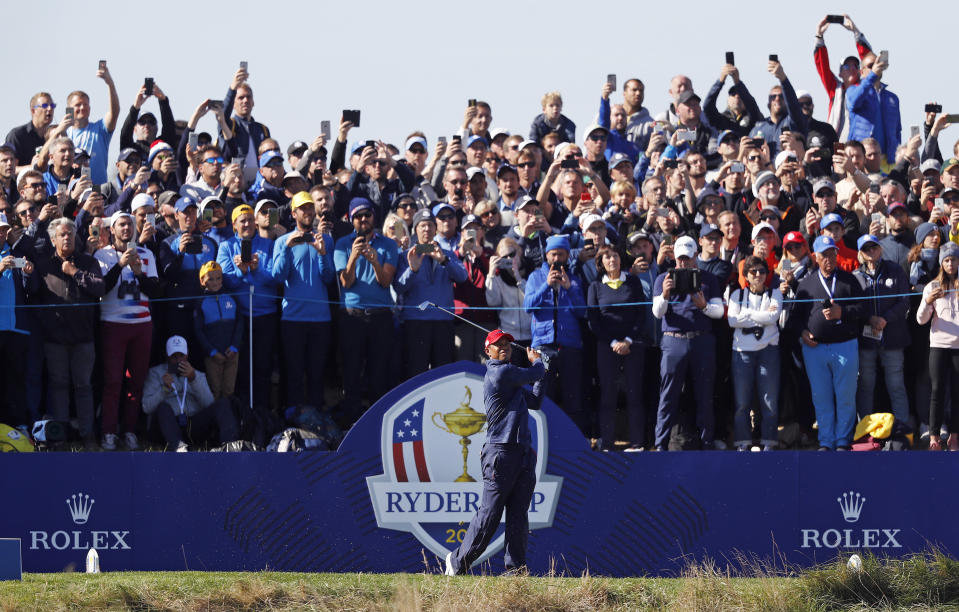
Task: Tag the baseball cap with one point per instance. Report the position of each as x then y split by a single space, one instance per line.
784 156
421 215
147 118
264 202
830 219
527 143
685 247
125 154
707 192
79 154
760 227
823 244
558 241
770 211
167 197
185 202
269 156
866 239
208 267
474 139
708 228
949 164
636 236
291 175
930 164
208 201
948 190
724 135
117 216
504 168
473 171
687 96
823 183
589 219
469 219
303 197
950 249
802 93
296 148
595 128
442 206
793 238
896 206
177 344
497 132
240 210
525 201
412 140
496 335
356 204
616 159
140 200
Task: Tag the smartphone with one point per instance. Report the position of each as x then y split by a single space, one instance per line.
370 143
399 229
670 164
569 163
884 57
69 113
61 188
457 138
422 249
933 108
758 142
246 250
325 129
659 127
194 245
441 139
194 140
85 172
274 216
773 57
940 205
215 104
953 118
934 285
148 84
739 167
834 19
470 235
913 131
244 66
239 161
838 147
103 64
353 116
208 213
472 102
588 243
19 262
668 240
874 188
686 135
132 243
95 228
611 79
786 264
877 217
730 58
152 219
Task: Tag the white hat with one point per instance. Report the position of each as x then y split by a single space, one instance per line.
176 344
140 200
760 227
207 201
785 156
527 143
588 219
412 140
685 247
473 171
498 132
262 203
117 216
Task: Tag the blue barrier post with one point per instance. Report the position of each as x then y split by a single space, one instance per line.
11 565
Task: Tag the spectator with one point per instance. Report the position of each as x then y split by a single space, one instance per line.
741 113
552 119
784 111
208 181
140 131
469 296
688 345
494 225
476 121
595 145
620 338
213 220
245 133
836 88
27 139
59 173
923 267
303 262
365 265
181 399
821 135
219 331
505 289
14 333
69 282
555 300
830 307
129 281
94 138
426 273
900 239
395 228
754 315
613 118
885 334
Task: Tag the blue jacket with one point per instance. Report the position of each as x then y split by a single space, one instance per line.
220 234
216 325
615 143
305 274
564 306
235 281
890 279
865 116
432 282
11 295
566 129
182 270
889 133
507 402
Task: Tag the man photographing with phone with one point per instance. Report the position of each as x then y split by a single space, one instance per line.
507 456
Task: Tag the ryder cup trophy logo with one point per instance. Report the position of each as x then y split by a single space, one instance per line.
431 485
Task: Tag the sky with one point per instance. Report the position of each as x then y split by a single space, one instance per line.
413 65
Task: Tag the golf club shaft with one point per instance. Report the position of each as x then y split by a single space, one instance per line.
465 320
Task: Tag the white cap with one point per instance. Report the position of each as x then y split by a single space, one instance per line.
685 247
117 215
802 93
473 171
412 140
140 200
497 132
176 344
760 227
262 203
558 149
527 143
785 156
207 201
3 220
589 219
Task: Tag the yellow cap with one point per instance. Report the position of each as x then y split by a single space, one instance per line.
300 199
241 210
210 266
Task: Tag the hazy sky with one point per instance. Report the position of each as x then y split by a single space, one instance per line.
413 65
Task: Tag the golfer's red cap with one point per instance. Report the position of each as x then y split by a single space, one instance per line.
494 336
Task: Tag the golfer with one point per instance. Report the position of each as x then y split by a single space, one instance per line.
507 457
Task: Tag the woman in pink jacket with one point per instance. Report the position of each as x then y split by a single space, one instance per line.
940 303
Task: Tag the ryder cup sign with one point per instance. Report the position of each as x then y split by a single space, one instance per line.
432 480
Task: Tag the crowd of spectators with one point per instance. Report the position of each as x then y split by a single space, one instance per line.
747 277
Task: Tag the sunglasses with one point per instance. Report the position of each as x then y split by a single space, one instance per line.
46 106
753 158
213 160
527 165
37 185
597 137
488 213
458 163
757 272
445 217
406 204
27 211
362 214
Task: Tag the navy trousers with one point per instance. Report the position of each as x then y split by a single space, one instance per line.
508 482
692 359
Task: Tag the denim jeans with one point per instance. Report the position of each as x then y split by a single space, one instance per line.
756 371
832 370
892 366
694 359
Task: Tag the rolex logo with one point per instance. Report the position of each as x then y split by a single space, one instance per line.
80 505
851 504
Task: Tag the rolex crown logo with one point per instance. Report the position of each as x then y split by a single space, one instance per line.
851 504
80 505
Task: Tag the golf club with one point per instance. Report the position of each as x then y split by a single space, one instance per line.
426 305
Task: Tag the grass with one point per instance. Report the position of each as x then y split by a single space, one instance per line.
923 582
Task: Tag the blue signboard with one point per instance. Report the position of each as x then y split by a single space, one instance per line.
405 482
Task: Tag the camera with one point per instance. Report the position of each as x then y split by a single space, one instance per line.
685 281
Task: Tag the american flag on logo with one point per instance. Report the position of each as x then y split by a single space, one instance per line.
409 462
